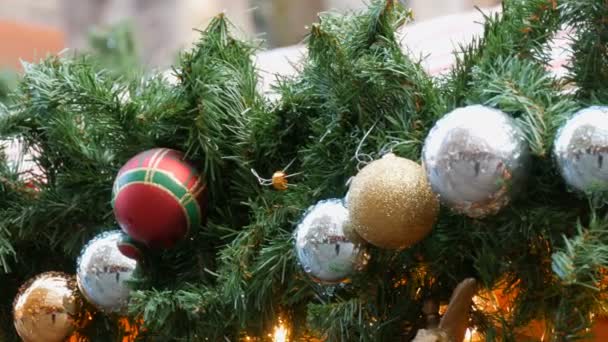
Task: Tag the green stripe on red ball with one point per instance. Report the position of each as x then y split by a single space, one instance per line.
164 180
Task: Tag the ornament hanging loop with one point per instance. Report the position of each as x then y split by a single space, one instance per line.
363 158
390 147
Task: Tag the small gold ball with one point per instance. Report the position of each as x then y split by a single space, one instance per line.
47 308
279 180
391 204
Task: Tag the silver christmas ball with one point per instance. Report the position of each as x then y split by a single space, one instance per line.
103 273
476 159
581 150
328 251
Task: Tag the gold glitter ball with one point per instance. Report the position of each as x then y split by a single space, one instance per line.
390 203
47 308
279 180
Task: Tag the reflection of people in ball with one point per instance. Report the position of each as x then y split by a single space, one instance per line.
585 166
581 148
322 246
103 273
465 158
476 159
329 253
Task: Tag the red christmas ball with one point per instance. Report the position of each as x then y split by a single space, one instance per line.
129 248
158 196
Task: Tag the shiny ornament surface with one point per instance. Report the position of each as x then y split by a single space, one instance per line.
476 159
390 203
158 196
103 273
323 248
581 150
47 308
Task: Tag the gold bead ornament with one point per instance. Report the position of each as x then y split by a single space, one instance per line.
279 180
47 308
391 204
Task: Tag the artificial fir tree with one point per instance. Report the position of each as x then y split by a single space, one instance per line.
356 96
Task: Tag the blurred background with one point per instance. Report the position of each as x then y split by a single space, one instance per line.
31 29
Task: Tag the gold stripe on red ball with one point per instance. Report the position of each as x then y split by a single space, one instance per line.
158 197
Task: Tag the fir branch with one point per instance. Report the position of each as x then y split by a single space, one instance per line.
581 267
345 320
588 67
527 91
249 291
351 85
584 255
273 267
67 146
168 314
10 190
217 82
355 97
523 30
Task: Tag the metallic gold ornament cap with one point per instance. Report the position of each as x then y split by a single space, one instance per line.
391 204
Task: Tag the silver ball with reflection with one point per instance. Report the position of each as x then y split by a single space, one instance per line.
581 150
103 273
476 159
326 248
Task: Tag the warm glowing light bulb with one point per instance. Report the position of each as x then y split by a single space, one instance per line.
471 335
468 335
280 333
